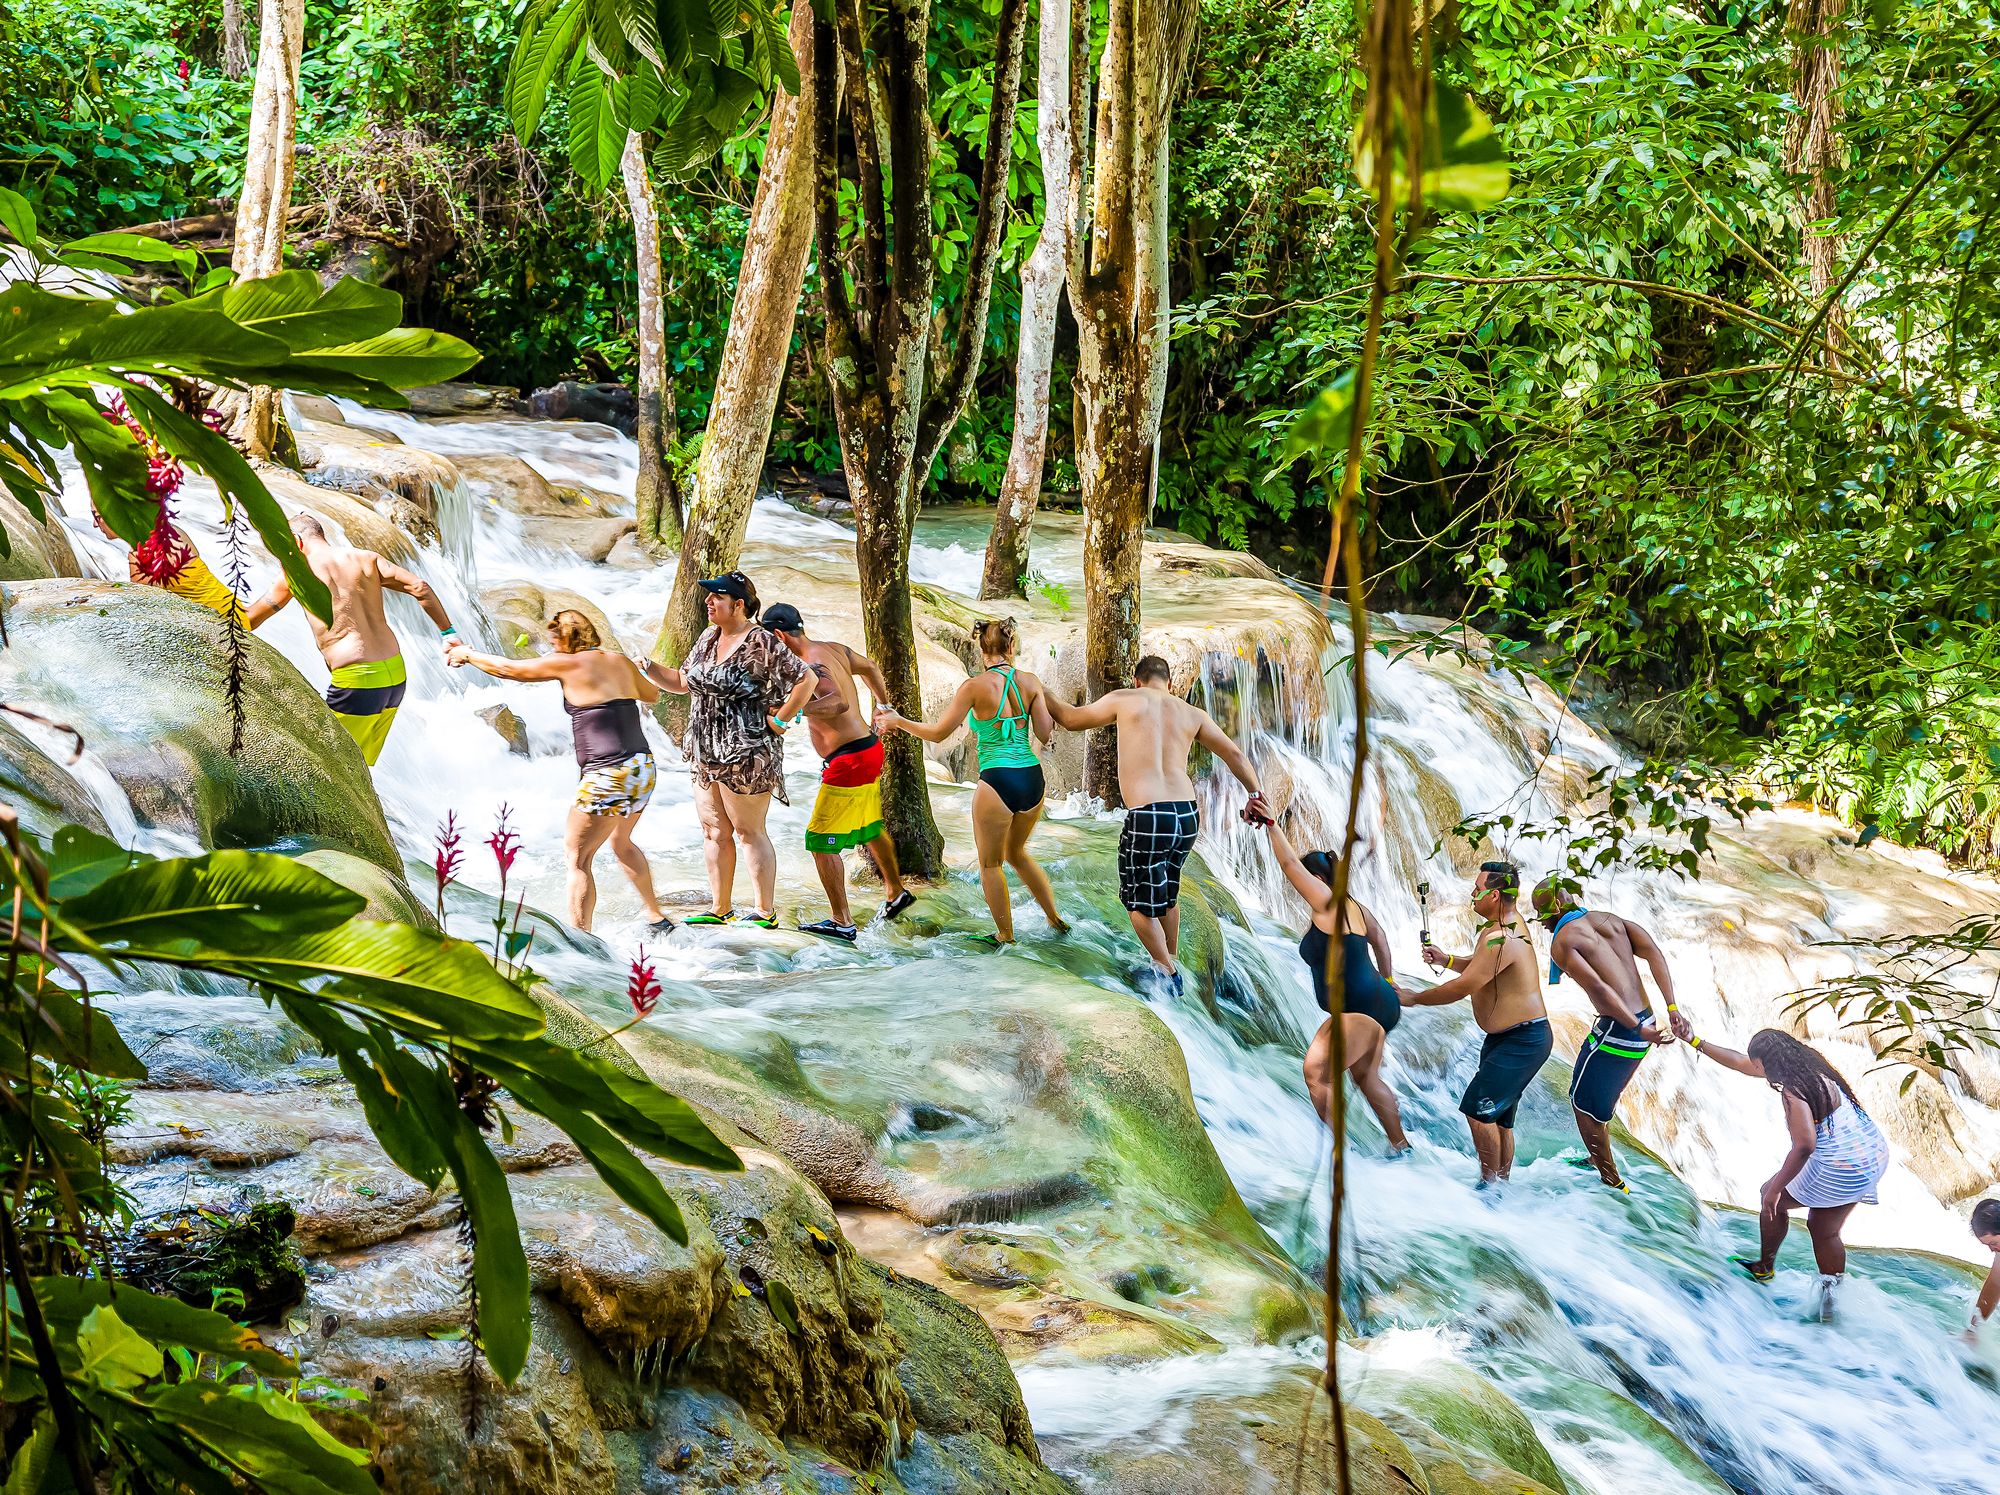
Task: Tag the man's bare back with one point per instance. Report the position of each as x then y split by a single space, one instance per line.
1156 732
833 715
359 631
1597 950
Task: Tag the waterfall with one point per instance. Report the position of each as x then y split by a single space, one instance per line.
1614 1321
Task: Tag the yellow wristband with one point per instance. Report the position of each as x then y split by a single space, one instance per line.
1695 1042
1673 1007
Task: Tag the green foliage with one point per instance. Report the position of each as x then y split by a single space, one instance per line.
432 1037
682 73
58 349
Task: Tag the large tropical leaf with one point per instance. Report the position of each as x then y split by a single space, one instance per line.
499 1265
596 137
543 51
237 901
401 358
554 1080
277 1444
66 1300
294 306
195 443
406 1134
180 338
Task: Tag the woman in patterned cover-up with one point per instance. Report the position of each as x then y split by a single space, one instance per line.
1838 1154
746 688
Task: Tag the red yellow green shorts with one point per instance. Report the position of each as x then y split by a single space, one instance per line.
848 811
621 788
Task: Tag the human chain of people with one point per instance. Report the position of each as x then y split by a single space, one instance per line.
755 674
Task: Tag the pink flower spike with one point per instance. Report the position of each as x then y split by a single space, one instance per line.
642 986
504 844
450 851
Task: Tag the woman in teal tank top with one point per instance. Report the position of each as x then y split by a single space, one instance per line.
1007 709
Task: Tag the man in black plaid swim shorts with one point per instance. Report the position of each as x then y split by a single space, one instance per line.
1156 731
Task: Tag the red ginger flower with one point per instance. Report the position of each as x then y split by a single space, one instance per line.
504 843
642 986
450 851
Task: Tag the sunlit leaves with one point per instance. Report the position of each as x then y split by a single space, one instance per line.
1464 164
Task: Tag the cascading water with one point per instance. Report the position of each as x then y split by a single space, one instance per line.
1612 1320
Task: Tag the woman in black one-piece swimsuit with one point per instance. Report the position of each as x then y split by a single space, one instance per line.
1369 1006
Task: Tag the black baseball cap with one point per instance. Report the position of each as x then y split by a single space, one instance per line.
782 617
730 584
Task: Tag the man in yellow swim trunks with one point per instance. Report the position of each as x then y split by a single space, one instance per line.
358 644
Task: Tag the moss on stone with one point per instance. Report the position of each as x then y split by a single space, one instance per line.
143 675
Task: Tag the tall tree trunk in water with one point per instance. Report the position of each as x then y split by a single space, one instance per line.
235 44
885 335
1118 288
658 496
1812 141
753 353
267 189
1041 300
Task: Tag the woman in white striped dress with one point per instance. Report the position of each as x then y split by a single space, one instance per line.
1838 1154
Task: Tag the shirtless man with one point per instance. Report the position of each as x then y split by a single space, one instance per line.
358 645
1499 976
1601 952
1156 730
848 811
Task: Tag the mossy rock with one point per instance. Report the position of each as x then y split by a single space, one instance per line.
36 549
389 897
1462 1410
143 675
44 793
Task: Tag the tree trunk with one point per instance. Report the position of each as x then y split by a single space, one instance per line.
267 189
1041 300
658 498
235 43
1119 292
897 387
1812 142
753 353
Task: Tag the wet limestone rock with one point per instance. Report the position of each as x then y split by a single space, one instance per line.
358 523
512 730
389 897
462 400
521 611
593 539
142 674
373 464
35 549
1456 1406
45 794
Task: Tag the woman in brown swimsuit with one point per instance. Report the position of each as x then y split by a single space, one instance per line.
746 689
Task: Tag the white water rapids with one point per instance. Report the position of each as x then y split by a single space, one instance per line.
1580 1303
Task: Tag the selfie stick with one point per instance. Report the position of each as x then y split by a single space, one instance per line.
1424 894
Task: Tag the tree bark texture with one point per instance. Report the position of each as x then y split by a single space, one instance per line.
235 41
754 351
897 386
658 497
1042 278
267 186
1812 141
1118 291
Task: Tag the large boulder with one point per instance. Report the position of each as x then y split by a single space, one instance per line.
374 465
36 549
655 1366
144 676
462 400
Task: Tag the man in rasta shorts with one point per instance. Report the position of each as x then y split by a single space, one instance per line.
1601 952
1499 977
848 811
1156 732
